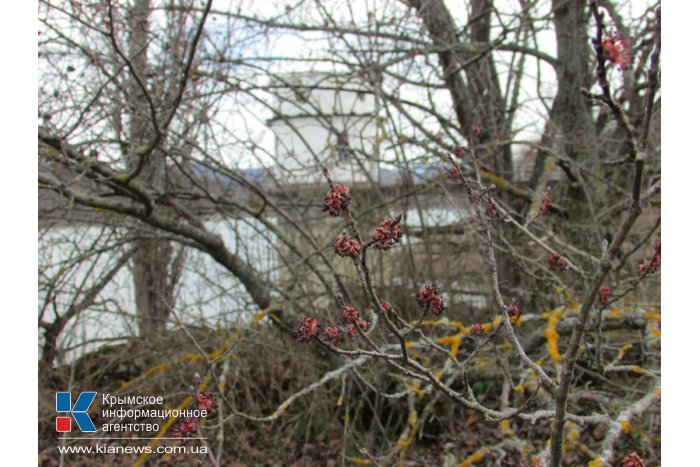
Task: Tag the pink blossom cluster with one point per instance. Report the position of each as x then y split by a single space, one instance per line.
204 400
546 205
360 323
557 261
337 199
454 173
604 295
491 210
333 334
352 318
387 235
184 428
513 313
345 245
618 50
349 314
308 330
651 265
427 297
632 460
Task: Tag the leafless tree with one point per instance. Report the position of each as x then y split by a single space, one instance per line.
528 130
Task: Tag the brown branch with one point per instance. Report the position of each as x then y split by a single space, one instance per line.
606 263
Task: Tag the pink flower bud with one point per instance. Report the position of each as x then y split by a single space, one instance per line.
618 50
345 245
437 306
337 199
426 294
604 295
556 261
546 205
514 313
349 315
308 329
632 460
491 210
206 400
387 235
333 334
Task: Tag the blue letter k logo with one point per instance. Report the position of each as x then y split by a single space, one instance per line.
79 410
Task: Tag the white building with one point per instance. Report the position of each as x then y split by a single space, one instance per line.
325 120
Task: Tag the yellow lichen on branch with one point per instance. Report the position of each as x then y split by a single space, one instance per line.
654 318
652 315
551 334
406 439
478 456
625 426
615 313
414 386
571 441
505 428
624 350
358 461
452 341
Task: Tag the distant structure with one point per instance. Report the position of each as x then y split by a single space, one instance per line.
325 120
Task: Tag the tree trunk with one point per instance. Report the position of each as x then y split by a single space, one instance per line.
571 127
151 270
478 100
